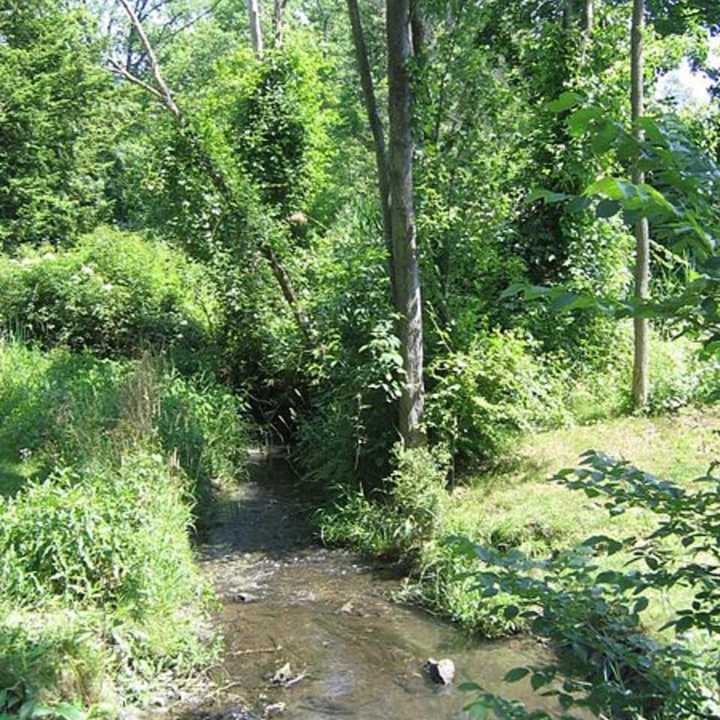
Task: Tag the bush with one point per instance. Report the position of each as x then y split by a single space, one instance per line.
400 519
485 397
114 293
679 376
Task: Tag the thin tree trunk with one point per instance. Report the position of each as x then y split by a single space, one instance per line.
255 28
417 24
407 272
278 21
589 17
640 387
376 127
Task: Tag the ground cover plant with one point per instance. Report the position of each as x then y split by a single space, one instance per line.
439 249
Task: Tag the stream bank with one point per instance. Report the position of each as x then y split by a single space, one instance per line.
312 633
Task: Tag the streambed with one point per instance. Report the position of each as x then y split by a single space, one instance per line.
352 651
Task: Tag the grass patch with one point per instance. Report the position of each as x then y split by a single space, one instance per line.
517 507
103 463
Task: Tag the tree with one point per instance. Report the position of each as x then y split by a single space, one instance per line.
256 35
589 17
402 211
53 129
640 386
159 89
376 128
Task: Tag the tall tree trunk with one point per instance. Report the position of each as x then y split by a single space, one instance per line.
405 256
253 7
640 387
589 17
376 127
278 21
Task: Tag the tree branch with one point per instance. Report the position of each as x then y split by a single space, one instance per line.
162 89
206 162
116 68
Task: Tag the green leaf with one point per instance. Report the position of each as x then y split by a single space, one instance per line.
613 188
567 100
605 137
516 674
547 196
469 687
581 119
607 208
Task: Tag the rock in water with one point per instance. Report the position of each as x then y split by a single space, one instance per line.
442 671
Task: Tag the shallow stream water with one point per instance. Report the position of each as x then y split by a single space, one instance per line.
352 651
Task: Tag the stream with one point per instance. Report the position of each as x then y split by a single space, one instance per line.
352 651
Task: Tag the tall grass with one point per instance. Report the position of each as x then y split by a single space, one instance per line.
99 590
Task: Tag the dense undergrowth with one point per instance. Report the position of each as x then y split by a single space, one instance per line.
112 292
103 464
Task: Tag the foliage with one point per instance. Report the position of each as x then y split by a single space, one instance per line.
486 397
113 293
405 516
594 614
53 141
102 531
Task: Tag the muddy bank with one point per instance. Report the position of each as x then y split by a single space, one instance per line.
323 624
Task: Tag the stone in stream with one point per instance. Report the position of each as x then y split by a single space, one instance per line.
273 710
442 671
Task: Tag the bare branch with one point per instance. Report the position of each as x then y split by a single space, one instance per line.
118 69
162 87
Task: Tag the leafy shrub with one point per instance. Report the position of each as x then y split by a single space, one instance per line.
485 397
679 376
114 293
594 614
400 519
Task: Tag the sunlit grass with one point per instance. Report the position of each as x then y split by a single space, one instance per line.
519 506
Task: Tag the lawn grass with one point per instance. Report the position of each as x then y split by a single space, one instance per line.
679 448
519 506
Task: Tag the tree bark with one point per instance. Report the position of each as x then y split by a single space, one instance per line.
405 256
589 17
256 36
278 21
417 24
376 128
640 386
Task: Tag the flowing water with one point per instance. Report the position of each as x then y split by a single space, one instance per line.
352 651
